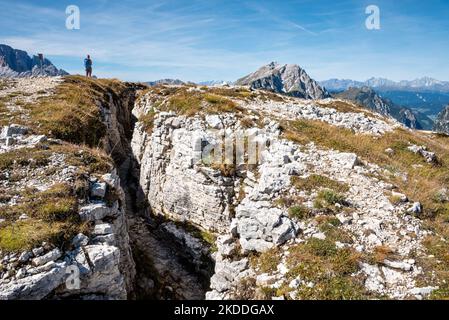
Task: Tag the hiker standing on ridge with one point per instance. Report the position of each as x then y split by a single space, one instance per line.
88 65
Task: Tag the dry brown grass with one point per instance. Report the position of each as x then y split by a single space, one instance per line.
267 261
382 253
32 157
189 101
316 182
86 159
423 182
53 216
329 268
72 113
238 93
147 121
347 107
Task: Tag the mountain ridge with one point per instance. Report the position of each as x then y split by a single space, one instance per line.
423 83
17 63
369 98
442 121
289 79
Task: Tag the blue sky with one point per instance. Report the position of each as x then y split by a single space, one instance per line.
199 40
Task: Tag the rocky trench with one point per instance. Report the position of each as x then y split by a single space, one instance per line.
184 229
131 250
170 263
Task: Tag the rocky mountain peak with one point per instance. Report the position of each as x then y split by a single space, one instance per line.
17 63
442 121
288 79
369 98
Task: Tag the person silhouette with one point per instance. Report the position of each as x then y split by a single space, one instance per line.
88 65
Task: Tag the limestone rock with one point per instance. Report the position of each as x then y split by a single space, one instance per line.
95 211
50 256
98 190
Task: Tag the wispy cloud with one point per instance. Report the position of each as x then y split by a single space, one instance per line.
200 39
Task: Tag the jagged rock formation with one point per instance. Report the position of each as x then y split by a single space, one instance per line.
242 205
17 63
288 79
368 98
442 121
327 200
99 256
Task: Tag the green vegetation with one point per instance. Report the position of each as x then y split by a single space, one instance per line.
59 203
72 113
52 216
147 121
191 101
327 199
330 226
267 261
203 235
27 234
315 182
328 268
299 212
24 157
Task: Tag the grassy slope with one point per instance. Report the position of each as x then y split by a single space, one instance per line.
424 181
72 114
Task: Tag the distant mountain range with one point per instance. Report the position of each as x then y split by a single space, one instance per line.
421 84
17 63
368 98
425 95
165 81
442 121
213 83
289 79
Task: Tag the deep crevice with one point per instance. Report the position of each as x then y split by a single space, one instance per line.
165 268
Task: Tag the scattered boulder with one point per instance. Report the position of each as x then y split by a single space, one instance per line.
416 208
23 217
102 229
13 130
80 240
402 197
50 256
389 151
98 190
38 251
430 157
94 211
25 256
401 265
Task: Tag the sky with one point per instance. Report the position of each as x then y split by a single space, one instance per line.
199 40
